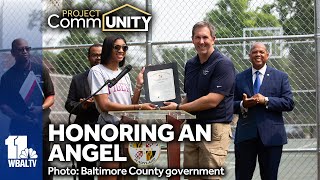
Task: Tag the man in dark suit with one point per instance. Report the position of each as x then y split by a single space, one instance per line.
87 112
262 93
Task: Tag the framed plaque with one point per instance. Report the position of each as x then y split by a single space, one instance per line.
161 83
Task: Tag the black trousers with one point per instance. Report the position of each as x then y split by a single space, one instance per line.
246 154
46 144
46 151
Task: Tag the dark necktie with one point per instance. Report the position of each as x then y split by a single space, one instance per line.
257 83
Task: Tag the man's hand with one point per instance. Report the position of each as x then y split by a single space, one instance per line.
25 118
260 99
35 111
248 102
169 106
87 103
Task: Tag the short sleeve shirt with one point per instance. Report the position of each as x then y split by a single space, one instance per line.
121 92
11 84
216 75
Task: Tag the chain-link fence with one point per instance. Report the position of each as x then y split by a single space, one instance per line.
285 26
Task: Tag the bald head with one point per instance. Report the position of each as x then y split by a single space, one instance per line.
18 41
20 50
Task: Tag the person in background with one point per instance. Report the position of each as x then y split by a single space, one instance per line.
209 87
86 112
121 96
28 106
262 93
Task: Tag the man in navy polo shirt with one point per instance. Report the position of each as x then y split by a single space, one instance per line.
209 87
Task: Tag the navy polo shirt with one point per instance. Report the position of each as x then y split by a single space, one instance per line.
11 82
216 75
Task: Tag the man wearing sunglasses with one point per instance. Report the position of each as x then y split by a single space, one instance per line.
28 106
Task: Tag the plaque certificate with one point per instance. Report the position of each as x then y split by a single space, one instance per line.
161 84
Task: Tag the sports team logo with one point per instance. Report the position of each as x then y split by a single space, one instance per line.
144 153
18 153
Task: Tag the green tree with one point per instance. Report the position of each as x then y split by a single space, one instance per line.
72 61
230 17
297 18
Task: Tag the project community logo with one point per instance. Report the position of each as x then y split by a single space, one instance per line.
19 155
123 18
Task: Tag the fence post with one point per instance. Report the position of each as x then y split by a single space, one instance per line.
1 22
149 35
317 55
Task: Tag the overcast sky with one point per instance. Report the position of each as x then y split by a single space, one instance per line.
172 20
15 19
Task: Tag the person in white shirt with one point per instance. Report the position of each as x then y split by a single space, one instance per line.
121 96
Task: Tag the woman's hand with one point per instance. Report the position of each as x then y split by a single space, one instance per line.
140 77
147 106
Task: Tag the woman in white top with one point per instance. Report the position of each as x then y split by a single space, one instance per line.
120 96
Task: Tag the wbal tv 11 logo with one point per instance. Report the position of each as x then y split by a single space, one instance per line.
19 155
123 18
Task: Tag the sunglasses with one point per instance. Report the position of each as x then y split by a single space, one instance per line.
118 47
22 49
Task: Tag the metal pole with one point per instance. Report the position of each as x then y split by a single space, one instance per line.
149 35
1 22
317 55
218 42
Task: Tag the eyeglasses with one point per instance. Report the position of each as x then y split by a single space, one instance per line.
95 55
26 48
118 47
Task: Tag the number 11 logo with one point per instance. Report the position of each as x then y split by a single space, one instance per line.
19 155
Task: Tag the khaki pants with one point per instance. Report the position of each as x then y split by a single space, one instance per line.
208 154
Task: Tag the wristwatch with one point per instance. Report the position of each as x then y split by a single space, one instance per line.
266 101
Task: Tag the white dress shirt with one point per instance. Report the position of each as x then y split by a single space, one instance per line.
261 76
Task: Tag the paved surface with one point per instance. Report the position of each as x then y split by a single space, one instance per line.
298 163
